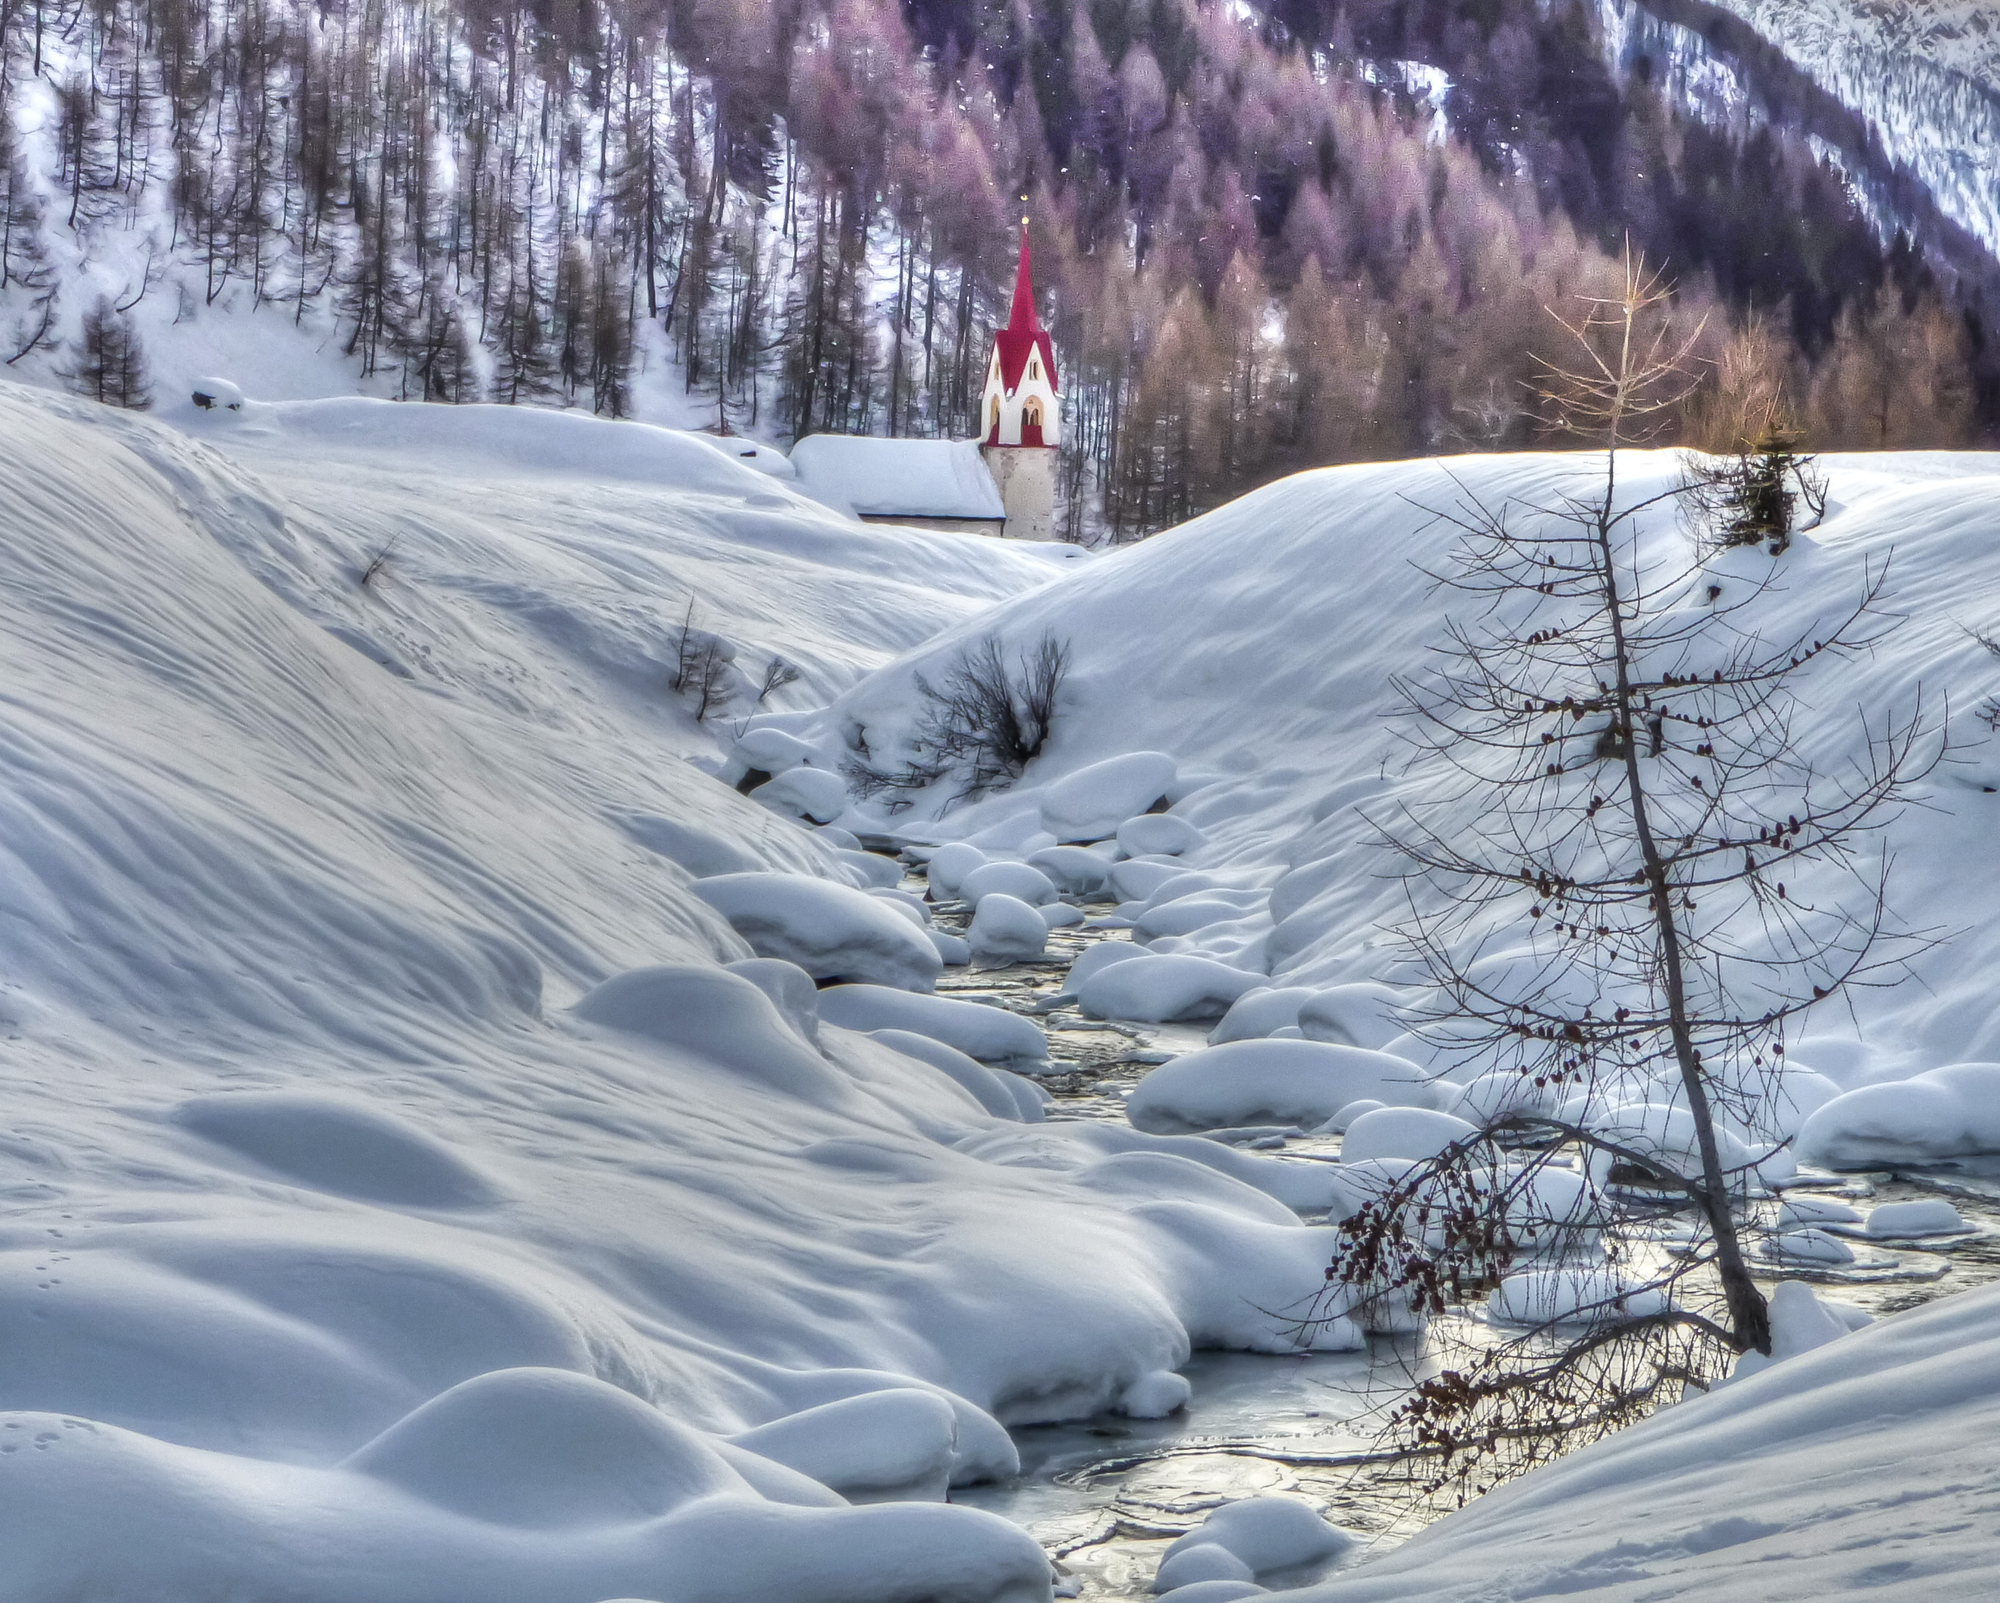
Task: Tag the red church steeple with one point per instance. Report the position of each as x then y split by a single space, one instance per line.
1021 389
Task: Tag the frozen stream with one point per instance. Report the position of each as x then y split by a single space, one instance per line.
1105 1496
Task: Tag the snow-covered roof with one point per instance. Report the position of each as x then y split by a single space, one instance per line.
875 477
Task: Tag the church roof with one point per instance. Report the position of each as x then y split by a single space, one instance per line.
1024 333
883 478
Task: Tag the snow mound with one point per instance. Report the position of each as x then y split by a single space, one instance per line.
1943 1113
723 1017
1262 1082
990 1034
1268 1533
1091 803
831 931
346 1147
878 1447
1157 988
543 1448
1006 930
1403 1133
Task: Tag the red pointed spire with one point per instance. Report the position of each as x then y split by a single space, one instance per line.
1022 319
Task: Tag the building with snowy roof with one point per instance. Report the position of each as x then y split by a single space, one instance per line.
1003 484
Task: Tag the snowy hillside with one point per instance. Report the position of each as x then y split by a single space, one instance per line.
348 1209
1255 647
1924 74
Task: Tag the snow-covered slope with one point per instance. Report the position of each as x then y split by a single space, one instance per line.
1924 74
1255 647
341 1257
1860 1469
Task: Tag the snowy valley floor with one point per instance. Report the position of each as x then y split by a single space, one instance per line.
414 1187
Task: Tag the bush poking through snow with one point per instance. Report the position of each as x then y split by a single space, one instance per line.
981 726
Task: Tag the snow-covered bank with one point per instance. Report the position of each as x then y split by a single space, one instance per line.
1253 650
388 1157
1861 1468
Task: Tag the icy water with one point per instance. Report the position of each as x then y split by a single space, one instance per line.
1105 1496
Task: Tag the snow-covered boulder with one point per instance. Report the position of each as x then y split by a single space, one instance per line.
990 1034
216 394
1155 1395
802 792
954 951
1018 880
1158 833
1214 1592
1155 988
1413 1133
1261 1082
1098 956
949 865
1185 915
1571 1297
790 989
1800 1322
1204 1561
1256 1014
1912 1221
1135 879
1075 870
1006 929
1268 1534
772 750
1091 803
882 1446
1944 1113
726 1018
1362 1014
833 932
1004 1095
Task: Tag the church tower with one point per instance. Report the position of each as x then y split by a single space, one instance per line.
1020 413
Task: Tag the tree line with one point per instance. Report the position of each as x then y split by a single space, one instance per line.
1258 252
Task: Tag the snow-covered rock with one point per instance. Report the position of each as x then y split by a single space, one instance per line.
998 1092
990 1034
833 932
1158 833
1268 1533
801 792
1413 1133
1155 1395
1075 871
1261 1082
1259 1013
1571 1296
1205 1561
881 1446
1091 802
1908 1221
949 865
1018 880
1006 929
1158 987
1943 1113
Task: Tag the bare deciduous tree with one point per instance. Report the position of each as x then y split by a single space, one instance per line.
1626 883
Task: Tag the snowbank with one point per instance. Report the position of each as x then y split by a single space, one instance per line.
1857 1466
413 1182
